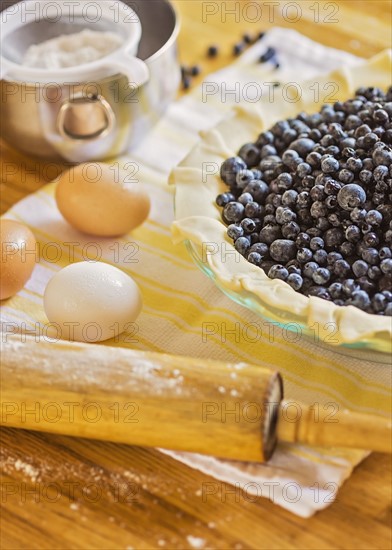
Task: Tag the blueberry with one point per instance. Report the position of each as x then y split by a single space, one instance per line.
374 272
384 253
371 239
303 199
258 189
290 230
234 211
366 176
358 214
329 165
379 302
370 255
260 248
320 256
335 290
309 269
333 238
224 198
317 193
386 266
295 281
238 48
374 217
302 240
280 127
230 169
351 196
360 299
246 37
385 282
278 271
212 51
285 181
234 231
333 257
380 173
302 146
195 70
257 174
360 268
252 209
267 55
346 176
347 249
248 225
314 159
349 286
332 187
265 138
316 243
270 233
250 154
242 244
283 250
353 233
354 164
289 198
319 292
382 155
318 209
268 151
341 268
243 178
370 140
294 267
321 275
254 258
245 198
285 215
303 169
304 255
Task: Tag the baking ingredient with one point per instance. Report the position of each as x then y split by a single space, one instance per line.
91 301
101 200
18 253
310 202
69 50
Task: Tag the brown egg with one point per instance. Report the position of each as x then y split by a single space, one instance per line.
100 199
18 255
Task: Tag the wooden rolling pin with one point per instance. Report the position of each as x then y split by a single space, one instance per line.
227 410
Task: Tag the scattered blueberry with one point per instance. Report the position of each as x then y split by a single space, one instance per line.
212 51
269 54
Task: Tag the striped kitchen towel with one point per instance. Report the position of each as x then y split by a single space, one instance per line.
180 302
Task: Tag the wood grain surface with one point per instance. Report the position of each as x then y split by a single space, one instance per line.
65 493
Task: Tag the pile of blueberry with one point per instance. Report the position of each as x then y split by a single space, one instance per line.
310 202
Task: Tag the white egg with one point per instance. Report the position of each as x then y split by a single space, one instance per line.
91 302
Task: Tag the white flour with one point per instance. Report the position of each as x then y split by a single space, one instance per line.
68 50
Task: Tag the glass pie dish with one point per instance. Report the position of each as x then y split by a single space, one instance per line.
198 221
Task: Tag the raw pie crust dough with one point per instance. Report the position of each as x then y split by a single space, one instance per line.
198 219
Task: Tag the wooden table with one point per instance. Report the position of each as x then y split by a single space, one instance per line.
65 493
